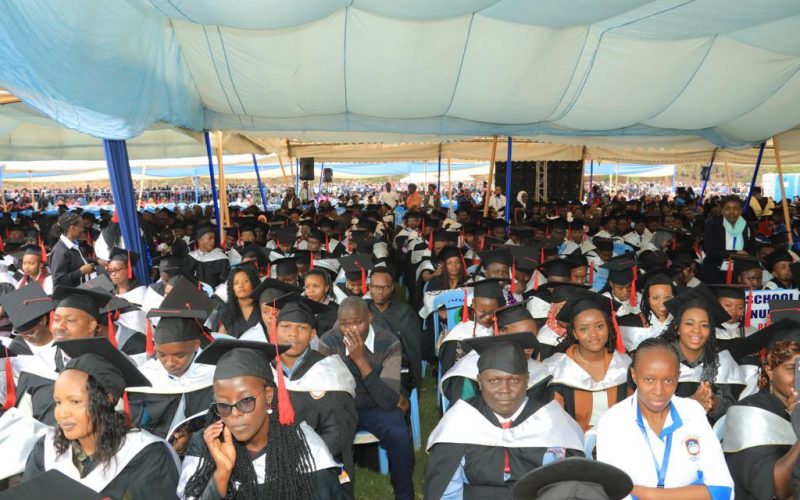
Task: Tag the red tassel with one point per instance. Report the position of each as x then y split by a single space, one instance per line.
536 280
513 275
729 275
239 236
311 260
349 245
633 288
749 309
269 269
149 347
541 256
363 281
327 243
569 234
2 244
494 325
547 231
112 337
89 239
465 309
591 274
285 409
620 343
11 390
430 242
42 249
461 239
126 404
423 227
115 217
130 267
483 240
463 262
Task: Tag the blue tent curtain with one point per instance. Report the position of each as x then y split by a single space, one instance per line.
119 172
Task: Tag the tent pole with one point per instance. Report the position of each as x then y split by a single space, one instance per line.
449 192
728 174
508 179
260 185
591 181
705 181
319 188
283 172
297 176
214 196
784 202
439 173
223 188
755 177
486 193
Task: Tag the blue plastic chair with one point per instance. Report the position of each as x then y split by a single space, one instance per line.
364 437
452 301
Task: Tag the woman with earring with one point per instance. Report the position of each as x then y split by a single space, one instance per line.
760 445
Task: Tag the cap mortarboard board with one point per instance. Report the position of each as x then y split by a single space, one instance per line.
620 269
574 478
557 267
445 236
285 266
123 255
88 300
178 325
107 364
526 258
354 264
26 306
603 244
287 235
297 312
512 314
291 297
240 358
51 484
700 296
448 252
732 291
256 251
775 257
584 300
270 289
30 249
779 309
504 352
562 292
490 288
186 295
203 229
102 283
743 264
784 330
500 255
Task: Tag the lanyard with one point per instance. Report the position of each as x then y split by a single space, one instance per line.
661 472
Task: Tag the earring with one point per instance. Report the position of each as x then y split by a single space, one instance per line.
269 411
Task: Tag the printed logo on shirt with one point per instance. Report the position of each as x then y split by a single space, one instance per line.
692 444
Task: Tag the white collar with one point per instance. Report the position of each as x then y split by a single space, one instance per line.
369 343
515 415
68 242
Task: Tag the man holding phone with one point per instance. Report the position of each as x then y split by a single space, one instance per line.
374 357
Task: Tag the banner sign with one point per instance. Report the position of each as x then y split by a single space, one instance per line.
761 301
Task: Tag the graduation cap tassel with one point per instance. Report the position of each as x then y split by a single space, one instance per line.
494 325
115 217
130 267
615 324
42 249
285 409
11 390
239 236
112 337
461 239
430 242
729 275
541 256
2 243
363 281
536 280
269 269
149 347
311 260
126 404
327 243
513 275
465 309
633 288
547 231
748 310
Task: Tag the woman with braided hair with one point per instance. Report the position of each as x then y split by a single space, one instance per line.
251 448
67 265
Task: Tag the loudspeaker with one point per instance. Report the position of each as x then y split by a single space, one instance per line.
306 169
327 175
563 179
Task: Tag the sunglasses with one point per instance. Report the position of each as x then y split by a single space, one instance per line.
244 405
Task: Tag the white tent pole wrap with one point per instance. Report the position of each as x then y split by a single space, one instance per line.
784 202
487 192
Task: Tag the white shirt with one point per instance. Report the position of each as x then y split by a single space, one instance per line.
498 202
388 197
694 452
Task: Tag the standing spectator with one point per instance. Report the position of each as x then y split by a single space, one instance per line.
432 200
388 196
306 195
498 202
68 265
414 199
290 200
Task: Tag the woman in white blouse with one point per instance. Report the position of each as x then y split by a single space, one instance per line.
662 441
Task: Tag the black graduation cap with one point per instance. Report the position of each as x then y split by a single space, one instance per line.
122 255
576 224
51 484
186 295
557 267
700 296
240 358
512 314
169 264
604 244
783 330
583 300
523 232
107 364
354 264
742 263
26 306
492 243
526 258
292 298
620 269
656 278
285 266
327 222
445 236
203 229
576 259
287 235
102 283
732 291
499 255
490 288
255 251
775 257
271 289
575 478
681 259
29 249
297 312
504 352
88 300
448 252
178 325
562 292
779 309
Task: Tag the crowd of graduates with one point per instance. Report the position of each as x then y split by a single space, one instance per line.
582 351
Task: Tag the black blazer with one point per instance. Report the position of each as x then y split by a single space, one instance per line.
65 265
714 241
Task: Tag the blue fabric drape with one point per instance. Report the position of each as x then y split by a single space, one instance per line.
220 233
119 172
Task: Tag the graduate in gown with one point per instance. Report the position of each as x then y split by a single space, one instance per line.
322 389
94 444
779 265
590 373
251 446
33 268
179 387
240 313
622 284
317 287
481 447
209 263
759 443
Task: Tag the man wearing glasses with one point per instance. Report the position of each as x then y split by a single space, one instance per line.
374 357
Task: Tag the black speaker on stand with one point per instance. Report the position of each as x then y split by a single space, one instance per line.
327 174
563 178
306 169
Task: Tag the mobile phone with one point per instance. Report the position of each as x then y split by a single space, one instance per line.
796 377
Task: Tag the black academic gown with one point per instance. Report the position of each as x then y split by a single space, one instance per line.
332 414
752 468
484 465
40 389
714 247
727 393
327 318
404 322
155 412
64 265
151 473
212 273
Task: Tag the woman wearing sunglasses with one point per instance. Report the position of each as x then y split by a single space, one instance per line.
251 447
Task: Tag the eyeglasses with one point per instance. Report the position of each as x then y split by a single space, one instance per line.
244 405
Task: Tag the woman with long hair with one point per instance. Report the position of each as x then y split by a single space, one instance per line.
251 447
68 266
240 313
654 317
94 444
589 375
710 377
664 442
450 272
760 444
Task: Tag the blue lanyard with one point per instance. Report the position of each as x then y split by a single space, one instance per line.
661 472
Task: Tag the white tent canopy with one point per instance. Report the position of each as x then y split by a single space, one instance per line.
663 73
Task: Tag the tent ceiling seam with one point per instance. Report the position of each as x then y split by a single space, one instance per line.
216 71
230 73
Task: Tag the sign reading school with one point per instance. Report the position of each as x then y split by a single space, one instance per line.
761 300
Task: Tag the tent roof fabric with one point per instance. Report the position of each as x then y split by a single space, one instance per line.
674 72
